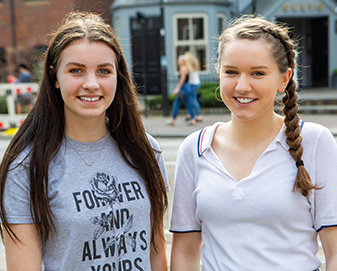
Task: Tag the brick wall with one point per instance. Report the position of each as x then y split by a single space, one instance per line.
34 20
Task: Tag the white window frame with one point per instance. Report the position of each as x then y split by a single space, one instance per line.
191 42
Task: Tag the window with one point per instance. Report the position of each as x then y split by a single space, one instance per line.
190 34
221 23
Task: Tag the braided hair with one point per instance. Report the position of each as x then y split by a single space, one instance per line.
284 54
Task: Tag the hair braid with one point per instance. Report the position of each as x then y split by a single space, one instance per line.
292 120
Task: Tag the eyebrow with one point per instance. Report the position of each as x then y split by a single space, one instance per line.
229 66
82 65
259 67
252 68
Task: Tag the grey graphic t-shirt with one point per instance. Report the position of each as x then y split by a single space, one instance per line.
102 212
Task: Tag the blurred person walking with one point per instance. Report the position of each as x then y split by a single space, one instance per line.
193 64
183 92
26 99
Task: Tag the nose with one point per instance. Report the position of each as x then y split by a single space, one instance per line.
90 82
243 84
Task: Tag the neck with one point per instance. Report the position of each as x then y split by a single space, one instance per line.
91 131
256 131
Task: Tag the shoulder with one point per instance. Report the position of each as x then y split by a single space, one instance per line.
314 130
188 142
200 140
183 70
191 139
153 142
23 158
316 136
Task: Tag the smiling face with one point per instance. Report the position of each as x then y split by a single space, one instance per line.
250 79
87 79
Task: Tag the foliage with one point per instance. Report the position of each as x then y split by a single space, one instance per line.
3 105
208 92
334 72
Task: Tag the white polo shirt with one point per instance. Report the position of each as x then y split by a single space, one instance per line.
258 223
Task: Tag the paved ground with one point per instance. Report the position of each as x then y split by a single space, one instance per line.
157 125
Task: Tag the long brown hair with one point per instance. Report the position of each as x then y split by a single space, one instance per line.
43 128
283 52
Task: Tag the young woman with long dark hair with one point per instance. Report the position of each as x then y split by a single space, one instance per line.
83 186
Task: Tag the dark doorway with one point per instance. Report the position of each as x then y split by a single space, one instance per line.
146 41
320 52
312 37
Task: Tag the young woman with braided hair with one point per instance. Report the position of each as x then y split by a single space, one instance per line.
82 185
255 192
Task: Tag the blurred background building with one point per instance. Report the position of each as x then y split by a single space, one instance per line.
153 33
156 32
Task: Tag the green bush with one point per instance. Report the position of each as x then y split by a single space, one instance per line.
3 105
210 98
334 72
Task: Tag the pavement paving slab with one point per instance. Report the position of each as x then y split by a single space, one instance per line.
158 126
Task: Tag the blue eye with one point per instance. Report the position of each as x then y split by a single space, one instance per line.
104 71
258 73
230 72
75 71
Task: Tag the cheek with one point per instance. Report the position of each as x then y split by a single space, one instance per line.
223 93
64 95
112 89
225 87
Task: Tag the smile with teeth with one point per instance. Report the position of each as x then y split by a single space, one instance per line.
245 100
89 99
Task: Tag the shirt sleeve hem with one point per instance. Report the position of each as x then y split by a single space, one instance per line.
21 220
326 226
175 231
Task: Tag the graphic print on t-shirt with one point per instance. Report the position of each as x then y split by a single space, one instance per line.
114 236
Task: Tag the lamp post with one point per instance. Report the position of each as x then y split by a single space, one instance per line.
163 63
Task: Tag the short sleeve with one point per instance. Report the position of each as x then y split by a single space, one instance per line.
325 177
160 159
184 208
17 196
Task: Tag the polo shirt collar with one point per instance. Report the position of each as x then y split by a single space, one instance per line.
206 136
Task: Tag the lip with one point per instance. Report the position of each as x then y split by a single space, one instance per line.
90 99
245 101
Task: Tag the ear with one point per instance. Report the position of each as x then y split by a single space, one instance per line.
285 80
